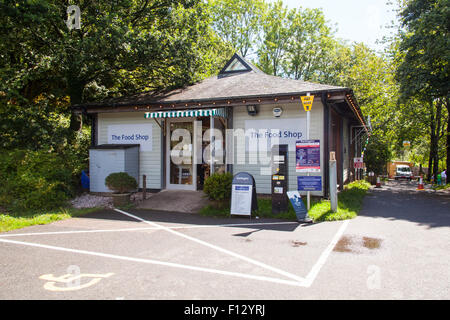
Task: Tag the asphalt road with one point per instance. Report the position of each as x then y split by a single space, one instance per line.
397 248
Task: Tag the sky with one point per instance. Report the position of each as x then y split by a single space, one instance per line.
355 20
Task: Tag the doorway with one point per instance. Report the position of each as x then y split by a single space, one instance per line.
181 173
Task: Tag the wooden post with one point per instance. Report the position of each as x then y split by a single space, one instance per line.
144 187
333 182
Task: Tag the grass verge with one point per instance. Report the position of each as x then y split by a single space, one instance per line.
14 221
349 204
441 187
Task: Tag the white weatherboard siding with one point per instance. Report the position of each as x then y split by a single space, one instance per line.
290 111
149 161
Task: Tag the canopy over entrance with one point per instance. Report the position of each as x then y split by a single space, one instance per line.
219 112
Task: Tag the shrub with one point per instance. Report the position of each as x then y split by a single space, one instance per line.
34 180
218 186
121 182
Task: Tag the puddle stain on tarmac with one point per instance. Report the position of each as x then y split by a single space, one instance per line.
344 244
296 243
353 244
371 243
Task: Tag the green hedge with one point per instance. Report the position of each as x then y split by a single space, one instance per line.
34 180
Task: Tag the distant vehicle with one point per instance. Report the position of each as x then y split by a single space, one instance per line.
403 172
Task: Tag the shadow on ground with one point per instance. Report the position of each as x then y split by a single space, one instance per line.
399 200
196 219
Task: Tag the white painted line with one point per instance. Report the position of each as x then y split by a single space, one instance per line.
298 281
73 232
233 254
324 256
156 262
144 228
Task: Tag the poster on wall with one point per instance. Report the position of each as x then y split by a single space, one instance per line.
131 134
307 154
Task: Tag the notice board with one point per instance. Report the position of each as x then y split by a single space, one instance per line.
243 194
307 154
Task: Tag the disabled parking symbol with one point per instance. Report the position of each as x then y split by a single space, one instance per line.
72 280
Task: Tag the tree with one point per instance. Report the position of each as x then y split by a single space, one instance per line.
123 47
424 71
275 38
377 154
309 44
238 22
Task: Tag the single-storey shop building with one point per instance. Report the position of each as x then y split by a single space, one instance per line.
225 123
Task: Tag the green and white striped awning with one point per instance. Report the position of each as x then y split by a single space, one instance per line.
219 112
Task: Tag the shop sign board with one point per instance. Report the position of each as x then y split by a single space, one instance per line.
263 134
131 134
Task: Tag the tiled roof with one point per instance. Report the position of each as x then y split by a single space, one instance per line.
226 85
245 84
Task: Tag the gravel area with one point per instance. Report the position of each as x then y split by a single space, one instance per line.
87 200
91 201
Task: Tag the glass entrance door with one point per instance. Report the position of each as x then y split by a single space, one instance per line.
180 170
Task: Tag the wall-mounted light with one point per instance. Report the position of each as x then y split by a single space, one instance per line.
277 112
252 110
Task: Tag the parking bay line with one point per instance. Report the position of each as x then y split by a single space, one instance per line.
324 256
303 282
233 254
156 262
143 228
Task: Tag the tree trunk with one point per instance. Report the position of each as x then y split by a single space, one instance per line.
75 90
432 139
436 138
448 135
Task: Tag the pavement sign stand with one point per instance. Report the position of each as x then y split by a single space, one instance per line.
300 210
243 195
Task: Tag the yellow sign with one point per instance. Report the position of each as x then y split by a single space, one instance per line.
307 102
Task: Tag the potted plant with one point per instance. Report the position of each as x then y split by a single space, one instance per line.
218 189
122 184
